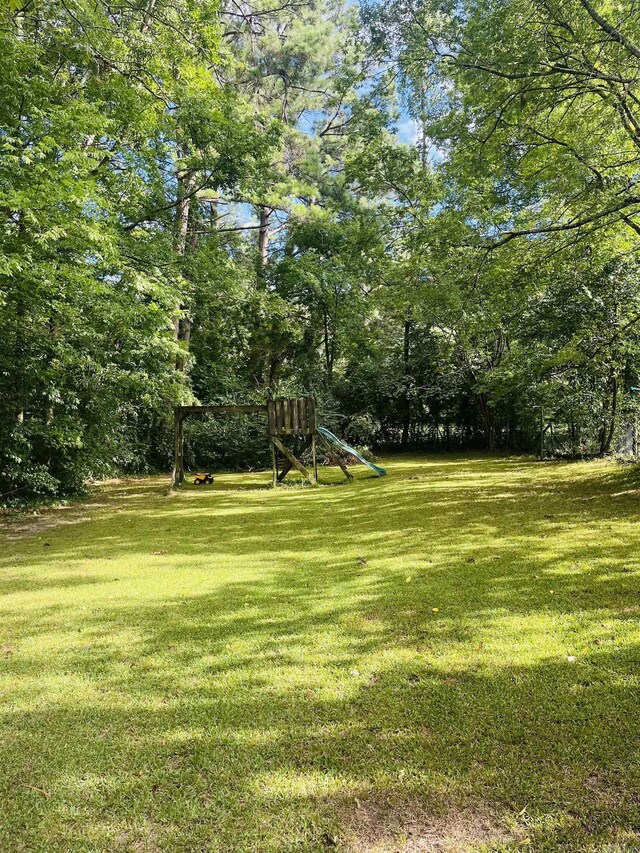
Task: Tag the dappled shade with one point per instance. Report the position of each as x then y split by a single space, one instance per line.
449 653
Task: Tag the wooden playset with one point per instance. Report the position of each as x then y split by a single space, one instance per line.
292 431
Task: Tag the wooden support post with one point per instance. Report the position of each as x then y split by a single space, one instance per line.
335 457
178 441
314 454
274 460
292 459
312 419
181 432
288 466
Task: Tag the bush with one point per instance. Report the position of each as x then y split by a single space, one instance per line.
228 442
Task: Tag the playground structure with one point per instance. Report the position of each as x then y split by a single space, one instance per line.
290 420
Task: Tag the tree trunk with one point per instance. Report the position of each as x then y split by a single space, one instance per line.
491 431
186 182
406 402
264 236
19 389
148 17
609 431
328 349
488 422
274 370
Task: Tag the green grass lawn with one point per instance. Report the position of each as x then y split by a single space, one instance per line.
445 659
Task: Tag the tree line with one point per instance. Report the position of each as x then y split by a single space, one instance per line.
426 214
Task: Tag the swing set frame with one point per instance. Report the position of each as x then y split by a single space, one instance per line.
289 419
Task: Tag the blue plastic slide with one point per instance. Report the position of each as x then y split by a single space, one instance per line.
351 450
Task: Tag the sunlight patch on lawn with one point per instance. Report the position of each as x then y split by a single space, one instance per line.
232 668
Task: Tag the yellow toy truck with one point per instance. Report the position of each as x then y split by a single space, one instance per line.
203 480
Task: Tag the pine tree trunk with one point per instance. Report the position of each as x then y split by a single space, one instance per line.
264 236
328 353
406 403
186 182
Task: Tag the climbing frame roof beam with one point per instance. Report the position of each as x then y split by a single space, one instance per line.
221 410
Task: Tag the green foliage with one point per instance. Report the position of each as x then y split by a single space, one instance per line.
212 203
224 443
95 107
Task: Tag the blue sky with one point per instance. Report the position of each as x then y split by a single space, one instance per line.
407 129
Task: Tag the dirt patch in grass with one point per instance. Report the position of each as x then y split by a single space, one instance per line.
20 525
16 524
377 826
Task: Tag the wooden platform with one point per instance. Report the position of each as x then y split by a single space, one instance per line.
295 418
292 416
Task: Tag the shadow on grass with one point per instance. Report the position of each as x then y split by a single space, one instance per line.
460 635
